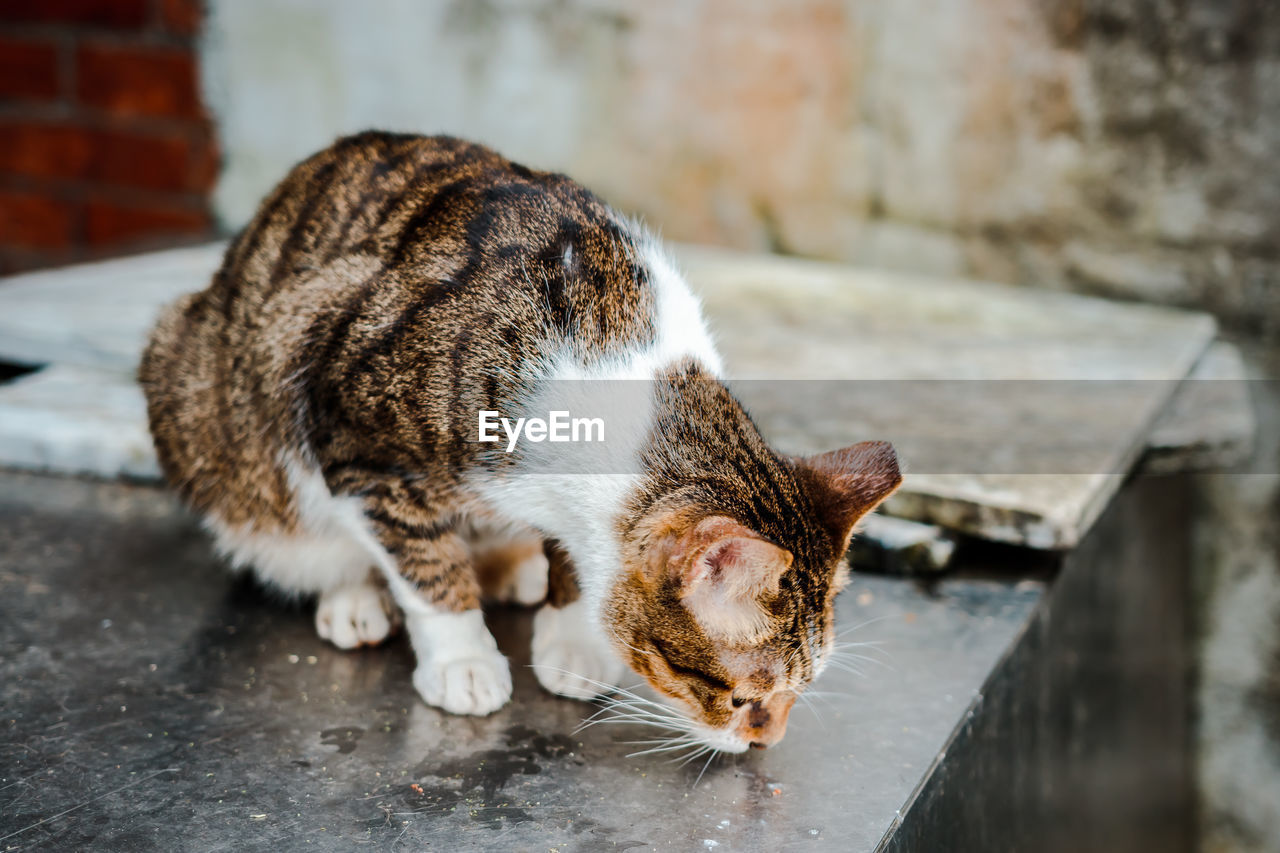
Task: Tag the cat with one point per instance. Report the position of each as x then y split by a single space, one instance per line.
319 406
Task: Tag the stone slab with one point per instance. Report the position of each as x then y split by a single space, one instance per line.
1209 423
76 420
97 315
1068 387
1018 412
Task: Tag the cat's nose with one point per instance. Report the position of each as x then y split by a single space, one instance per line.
765 722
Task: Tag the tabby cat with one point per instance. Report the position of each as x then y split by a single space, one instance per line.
319 404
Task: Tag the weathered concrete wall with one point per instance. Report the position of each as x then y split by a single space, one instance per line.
1238 580
1114 146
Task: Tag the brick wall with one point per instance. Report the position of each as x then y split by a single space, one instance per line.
105 147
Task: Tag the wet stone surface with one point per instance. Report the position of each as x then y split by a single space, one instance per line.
149 699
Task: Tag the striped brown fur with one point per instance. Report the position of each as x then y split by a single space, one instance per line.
386 291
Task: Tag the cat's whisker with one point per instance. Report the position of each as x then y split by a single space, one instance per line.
625 710
624 698
710 758
848 663
666 723
844 644
605 687
638 704
666 747
873 654
648 703
649 741
848 656
849 630
643 710
661 742
808 703
846 666
849 652
624 713
657 751
697 753
642 713
636 719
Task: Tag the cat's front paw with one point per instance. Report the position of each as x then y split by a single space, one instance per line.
474 685
570 658
356 615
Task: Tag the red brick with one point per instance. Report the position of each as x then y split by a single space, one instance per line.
153 162
44 150
118 157
117 14
28 69
138 81
34 221
111 224
182 17
206 163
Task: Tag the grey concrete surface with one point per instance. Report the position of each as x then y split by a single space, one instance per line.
150 701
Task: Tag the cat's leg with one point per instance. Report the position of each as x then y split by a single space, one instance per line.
460 669
570 655
360 613
354 606
510 563
527 582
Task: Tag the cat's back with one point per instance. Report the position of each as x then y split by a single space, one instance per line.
429 214
383 256
355 198
207 367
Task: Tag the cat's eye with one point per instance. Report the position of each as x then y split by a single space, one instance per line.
737 702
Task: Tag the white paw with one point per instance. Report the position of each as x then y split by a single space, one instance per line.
570 658
478 685
527 583
356 615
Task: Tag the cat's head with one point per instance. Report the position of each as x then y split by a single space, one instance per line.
730 622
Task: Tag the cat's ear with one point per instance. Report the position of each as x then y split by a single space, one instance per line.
723 569
848 483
